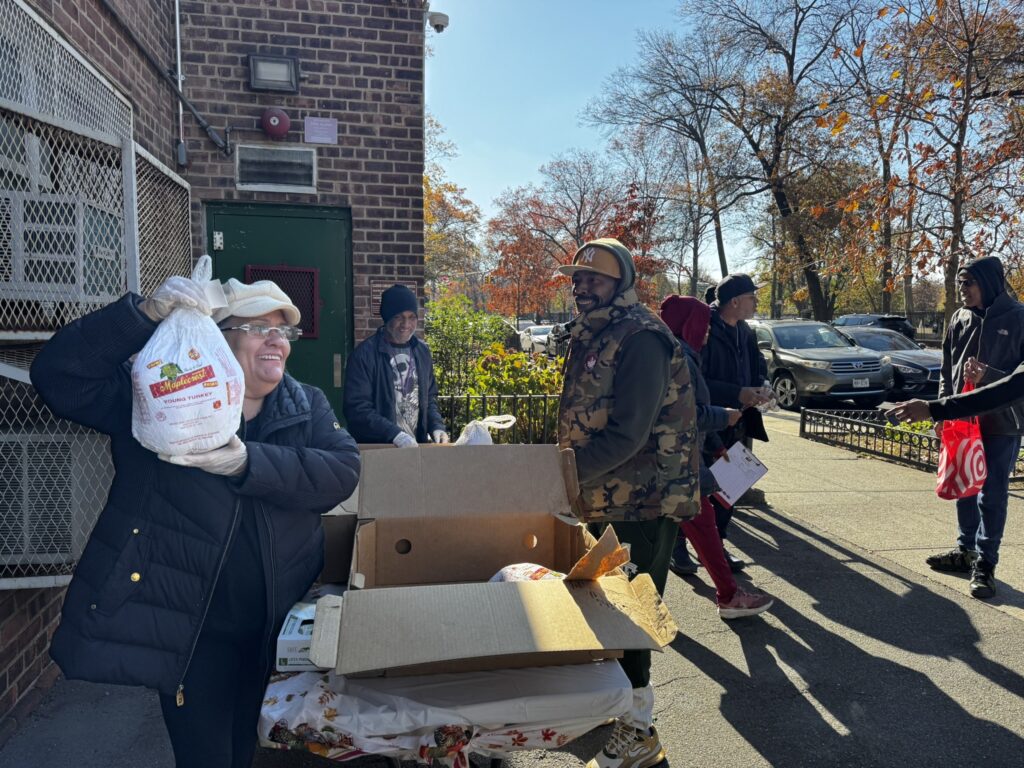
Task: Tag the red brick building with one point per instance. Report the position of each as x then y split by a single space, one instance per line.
308 171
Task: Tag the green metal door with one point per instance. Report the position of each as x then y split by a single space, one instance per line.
308 252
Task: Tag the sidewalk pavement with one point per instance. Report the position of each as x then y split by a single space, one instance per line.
867 659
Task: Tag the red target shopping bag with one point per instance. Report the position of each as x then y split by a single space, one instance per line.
962 469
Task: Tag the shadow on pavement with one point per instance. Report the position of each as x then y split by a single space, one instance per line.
808 696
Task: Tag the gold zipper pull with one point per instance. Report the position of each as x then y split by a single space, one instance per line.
179 697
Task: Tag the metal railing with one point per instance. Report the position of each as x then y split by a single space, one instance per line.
536 415
869 432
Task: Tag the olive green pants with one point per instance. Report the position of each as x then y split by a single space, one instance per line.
650 550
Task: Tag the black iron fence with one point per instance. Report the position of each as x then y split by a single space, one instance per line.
536 415
869 432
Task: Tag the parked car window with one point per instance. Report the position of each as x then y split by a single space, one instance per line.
762 335
803 337
540 330
882 342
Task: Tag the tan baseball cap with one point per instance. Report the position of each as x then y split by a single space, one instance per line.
595 258
259 298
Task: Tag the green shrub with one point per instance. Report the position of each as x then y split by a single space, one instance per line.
457 335
500 372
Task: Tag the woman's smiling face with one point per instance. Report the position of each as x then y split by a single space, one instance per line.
262 358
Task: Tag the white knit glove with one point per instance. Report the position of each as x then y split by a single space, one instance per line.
440 436
404 440
175 292
229 460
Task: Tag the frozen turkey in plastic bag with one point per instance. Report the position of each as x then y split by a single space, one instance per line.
187 385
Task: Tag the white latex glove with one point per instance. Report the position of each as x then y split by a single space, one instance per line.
404 440
440 436
229 460
174 292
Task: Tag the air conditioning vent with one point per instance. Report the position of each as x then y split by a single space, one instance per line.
275 169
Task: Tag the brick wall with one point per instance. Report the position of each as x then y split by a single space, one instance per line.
27 620
363 64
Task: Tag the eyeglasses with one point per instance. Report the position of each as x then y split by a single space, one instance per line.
961 283
287 332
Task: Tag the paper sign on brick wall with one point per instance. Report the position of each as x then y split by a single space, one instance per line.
321 130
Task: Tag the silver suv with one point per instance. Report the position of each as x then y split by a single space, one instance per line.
809 360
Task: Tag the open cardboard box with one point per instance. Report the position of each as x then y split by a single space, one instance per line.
435 524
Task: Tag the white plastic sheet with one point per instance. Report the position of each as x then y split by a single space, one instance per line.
441 717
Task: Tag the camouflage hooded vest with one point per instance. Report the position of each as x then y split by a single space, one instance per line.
659 480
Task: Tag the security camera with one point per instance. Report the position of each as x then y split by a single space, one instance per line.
439 21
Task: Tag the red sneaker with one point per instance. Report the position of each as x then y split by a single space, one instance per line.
744 604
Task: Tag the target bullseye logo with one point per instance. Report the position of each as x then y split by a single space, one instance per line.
962 468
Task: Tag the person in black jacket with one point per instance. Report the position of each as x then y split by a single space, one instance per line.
985 341
195 560
735 372
390 390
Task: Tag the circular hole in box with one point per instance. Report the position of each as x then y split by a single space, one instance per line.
530 541
403 546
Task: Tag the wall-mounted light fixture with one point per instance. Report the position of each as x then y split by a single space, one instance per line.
273 73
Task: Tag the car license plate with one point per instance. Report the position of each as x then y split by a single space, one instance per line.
862 383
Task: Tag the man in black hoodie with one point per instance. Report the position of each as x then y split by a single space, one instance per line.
985 341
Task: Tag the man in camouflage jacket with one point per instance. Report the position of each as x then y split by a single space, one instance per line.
627 411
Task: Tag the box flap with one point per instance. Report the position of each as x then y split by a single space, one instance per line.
603 558
323 648
390 628
462 480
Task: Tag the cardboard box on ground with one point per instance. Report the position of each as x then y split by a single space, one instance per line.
434 524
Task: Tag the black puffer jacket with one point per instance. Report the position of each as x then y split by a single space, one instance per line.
171 525
994 335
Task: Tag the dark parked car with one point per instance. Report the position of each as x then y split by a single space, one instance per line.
810 360
916 370
892 322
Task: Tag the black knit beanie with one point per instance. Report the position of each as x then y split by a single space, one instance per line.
397 299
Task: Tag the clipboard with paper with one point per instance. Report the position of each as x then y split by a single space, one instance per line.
737 475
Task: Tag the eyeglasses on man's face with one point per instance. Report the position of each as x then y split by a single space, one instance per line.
965 282
261 330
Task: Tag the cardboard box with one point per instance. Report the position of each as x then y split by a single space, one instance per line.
435 524
296 633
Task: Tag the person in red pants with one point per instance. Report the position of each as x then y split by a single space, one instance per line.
689 320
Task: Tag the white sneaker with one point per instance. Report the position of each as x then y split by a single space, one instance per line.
629 747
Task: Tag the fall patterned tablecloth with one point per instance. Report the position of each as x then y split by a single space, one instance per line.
340 719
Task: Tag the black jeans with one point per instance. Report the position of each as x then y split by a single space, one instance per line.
224 688
650 549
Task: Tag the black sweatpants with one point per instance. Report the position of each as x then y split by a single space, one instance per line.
650 550
224 688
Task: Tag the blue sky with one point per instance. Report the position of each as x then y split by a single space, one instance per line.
508 80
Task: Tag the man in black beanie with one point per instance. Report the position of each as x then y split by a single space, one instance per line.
985 341
390 390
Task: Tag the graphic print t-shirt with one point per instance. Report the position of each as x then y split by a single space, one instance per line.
405 379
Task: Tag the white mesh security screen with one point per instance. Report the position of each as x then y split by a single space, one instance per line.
41 75
53 485
165 228
62 227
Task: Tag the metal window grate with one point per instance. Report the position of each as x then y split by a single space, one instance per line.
165 228
43 76
62 226
54 477
302 284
